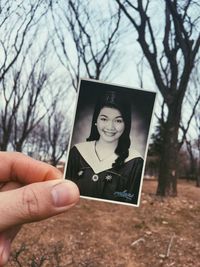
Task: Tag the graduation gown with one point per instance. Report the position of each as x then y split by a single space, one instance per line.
99 179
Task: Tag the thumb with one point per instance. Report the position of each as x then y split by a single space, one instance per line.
36 201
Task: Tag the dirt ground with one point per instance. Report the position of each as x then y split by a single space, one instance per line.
160 233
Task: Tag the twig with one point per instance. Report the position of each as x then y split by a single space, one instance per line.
137 241
170 244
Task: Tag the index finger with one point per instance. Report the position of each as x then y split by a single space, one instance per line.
15 166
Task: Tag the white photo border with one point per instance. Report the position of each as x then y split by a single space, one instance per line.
146 145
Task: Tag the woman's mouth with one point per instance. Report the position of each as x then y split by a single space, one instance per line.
109 133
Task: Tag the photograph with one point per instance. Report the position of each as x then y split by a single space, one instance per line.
109 140
100 133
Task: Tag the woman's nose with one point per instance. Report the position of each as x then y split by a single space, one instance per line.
110 125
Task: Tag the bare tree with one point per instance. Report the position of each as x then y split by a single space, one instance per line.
197 145
23 93
58 135
18 28
172 61
49 140
57 127
32 109
16 21
192 102
191 105
93 54
37 145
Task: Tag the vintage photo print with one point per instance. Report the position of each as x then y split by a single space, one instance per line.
108 144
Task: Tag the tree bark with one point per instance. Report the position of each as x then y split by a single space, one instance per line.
198 180
167 180
18 146
5 141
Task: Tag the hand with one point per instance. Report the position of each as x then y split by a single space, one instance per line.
30 191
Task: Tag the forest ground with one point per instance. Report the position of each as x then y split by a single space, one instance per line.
162 232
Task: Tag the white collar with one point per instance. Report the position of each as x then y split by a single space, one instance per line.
87 151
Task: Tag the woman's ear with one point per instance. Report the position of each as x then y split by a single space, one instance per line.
95 124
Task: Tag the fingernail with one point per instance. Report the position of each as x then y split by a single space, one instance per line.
64 194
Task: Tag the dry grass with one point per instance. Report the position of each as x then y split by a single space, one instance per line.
160 233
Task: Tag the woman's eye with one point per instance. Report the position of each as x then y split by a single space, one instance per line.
119 121
103 119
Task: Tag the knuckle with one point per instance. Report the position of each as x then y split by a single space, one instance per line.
30 203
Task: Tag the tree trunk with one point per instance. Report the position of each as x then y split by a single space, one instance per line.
54 162
3 147
5 141
198 168
198 180
18 146
53 159
167 180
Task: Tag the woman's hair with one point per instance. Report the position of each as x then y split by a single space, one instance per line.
121 102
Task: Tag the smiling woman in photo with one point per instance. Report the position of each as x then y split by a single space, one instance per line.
104 166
